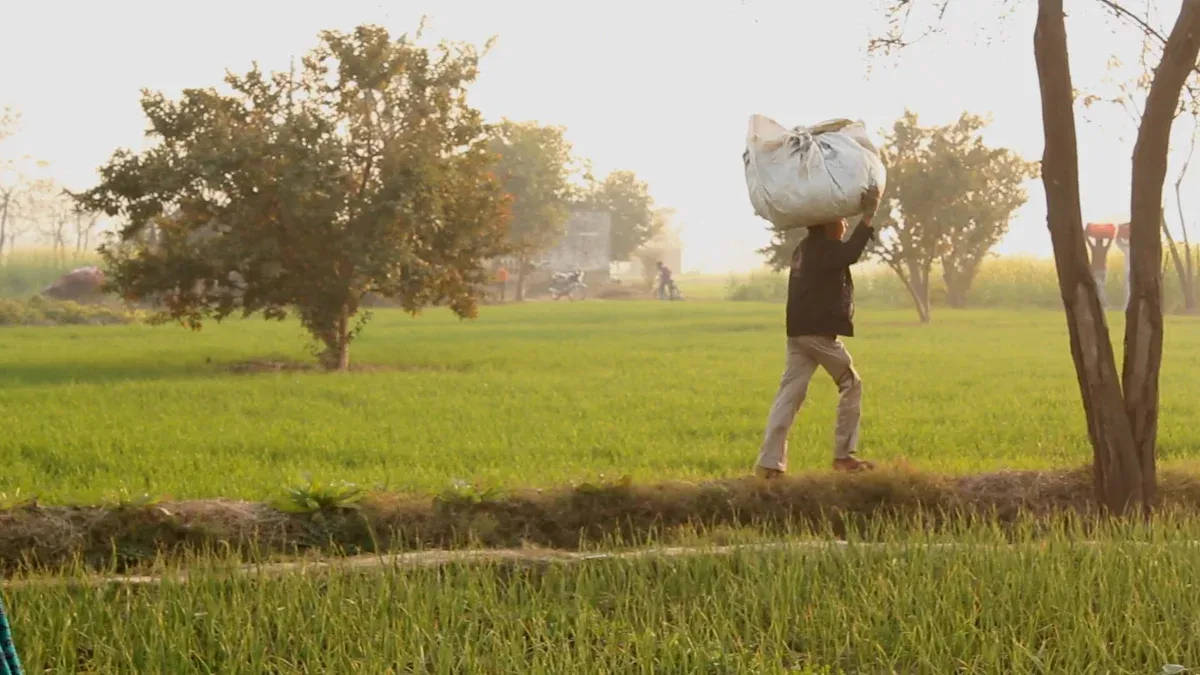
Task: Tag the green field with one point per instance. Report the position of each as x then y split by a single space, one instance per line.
546 394
540 394
1049 604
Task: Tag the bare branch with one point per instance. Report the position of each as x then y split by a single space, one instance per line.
898 14
1122 13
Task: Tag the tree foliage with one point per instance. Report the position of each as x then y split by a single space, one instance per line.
628 199
363 170
534 168
949 201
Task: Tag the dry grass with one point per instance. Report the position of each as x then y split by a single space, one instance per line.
126 537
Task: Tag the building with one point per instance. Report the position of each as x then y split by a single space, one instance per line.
586 244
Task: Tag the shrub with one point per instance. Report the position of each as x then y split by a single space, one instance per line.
39 311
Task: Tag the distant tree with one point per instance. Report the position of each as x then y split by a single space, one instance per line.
364 172
535 170
55 210
15 185
649 253
8 179
964 191
628 199
83 224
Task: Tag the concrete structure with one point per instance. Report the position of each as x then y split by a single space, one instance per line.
586 244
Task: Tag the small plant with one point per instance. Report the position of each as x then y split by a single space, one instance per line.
315 496
461 491
16 500
122 498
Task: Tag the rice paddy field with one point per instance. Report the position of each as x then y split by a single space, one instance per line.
539 395
546 394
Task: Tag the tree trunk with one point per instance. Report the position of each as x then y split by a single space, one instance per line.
1144 316
918 293
4 203
337 344
957 285
1117 471
1189 298
1188 276
519 293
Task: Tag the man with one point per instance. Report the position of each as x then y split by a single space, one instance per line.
1099 245
664 280
502 281
820 308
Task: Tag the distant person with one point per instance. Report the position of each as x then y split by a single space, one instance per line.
1099 244
502 281
665 281
820 308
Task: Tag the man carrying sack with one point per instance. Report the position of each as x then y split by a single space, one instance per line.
820 309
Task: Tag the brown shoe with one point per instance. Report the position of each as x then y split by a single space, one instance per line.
850 464
767 474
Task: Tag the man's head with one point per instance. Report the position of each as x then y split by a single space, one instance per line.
835 231
659 264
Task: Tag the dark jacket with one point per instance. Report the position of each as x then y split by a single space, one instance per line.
820 288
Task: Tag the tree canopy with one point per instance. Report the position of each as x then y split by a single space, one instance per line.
361 170
534 169
628 199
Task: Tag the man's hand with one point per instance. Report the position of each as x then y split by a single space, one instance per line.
870 203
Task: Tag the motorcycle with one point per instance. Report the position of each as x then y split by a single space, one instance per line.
569 285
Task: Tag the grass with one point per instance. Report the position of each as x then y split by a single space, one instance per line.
41 311
1046 603
547 395
537 395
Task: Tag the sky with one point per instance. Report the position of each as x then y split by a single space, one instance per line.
661 87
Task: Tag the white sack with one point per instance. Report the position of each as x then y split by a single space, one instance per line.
810 175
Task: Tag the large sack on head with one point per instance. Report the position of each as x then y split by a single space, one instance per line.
78 285
810 175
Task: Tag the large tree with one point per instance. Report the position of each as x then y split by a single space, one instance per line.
949 201
362 170
535 169
1122 415
628 199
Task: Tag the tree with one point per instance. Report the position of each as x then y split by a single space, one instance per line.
985 188
535 169
1122 415
628 199
1185 268
654 250
83 224
912 231
362 171
949 201
55 212
12 182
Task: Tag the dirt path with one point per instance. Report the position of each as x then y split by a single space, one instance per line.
531 556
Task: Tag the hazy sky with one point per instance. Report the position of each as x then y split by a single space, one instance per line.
664 88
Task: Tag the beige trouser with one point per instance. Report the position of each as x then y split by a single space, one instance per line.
804 354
